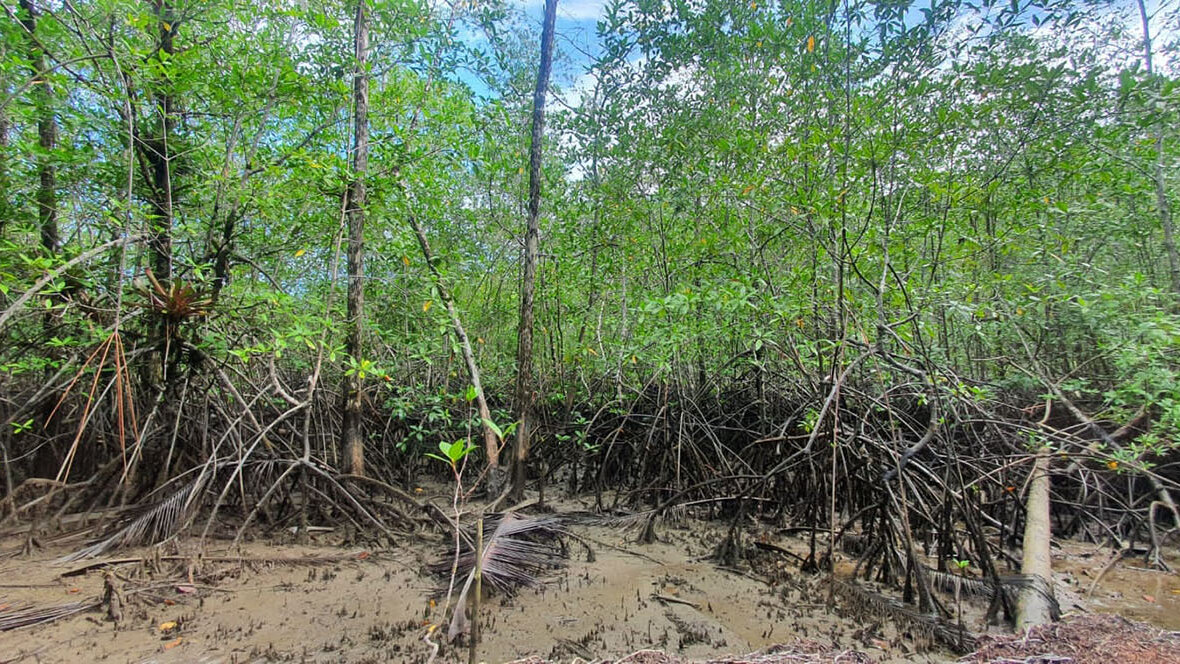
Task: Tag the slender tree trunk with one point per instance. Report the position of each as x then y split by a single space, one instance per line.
46 133
5 182
524 348
1034 606
352 436
1159 180
158 153
490 439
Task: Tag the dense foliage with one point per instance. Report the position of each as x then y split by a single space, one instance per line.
955 212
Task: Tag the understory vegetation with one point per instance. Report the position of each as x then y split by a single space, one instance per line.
852 267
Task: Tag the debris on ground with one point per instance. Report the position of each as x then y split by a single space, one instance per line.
798 652
1090 639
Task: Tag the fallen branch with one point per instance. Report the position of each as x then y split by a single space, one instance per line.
668 599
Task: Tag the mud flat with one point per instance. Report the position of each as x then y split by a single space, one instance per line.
324 602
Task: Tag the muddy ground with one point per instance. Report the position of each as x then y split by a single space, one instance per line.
329 602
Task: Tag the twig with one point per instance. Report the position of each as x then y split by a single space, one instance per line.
668 599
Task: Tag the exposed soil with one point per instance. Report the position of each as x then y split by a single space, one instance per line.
323 602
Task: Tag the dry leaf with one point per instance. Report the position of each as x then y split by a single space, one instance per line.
168 626
811 44
172 644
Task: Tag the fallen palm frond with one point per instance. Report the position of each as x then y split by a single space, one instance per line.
515 554
153 524
635 520
968 585
644 521
1009 584
932 628
26 616
234 560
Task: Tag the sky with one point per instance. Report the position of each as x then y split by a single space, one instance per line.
577 40
576 35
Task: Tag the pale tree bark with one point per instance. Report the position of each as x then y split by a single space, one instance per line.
1034 606
528 285
46 133
1159 178
490 440
352 434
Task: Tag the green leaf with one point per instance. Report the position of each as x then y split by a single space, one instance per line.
492 425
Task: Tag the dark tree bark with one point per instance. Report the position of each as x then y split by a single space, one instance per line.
524 348
46 133
157 152
352 435
5 183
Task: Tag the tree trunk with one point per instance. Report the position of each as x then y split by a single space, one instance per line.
1034 606
352 436
1159 181
524 348
5 184
46 133
490 440
158 154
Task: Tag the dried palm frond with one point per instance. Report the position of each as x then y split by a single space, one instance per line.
861 601
1009 585
631 521
26 616
967 585
152 524
515 554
